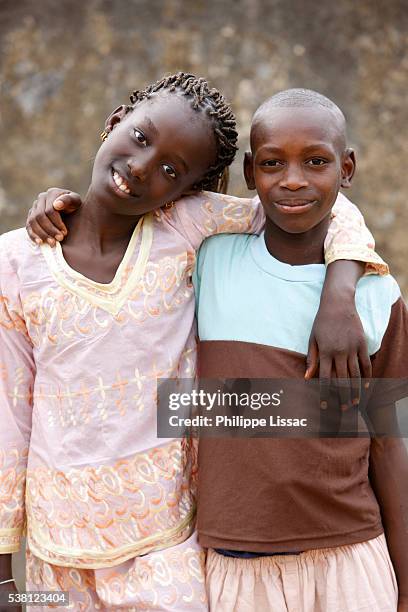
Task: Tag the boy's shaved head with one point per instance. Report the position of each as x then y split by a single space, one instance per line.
298 159
301 98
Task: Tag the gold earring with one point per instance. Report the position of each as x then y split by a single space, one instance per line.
168 205
104 135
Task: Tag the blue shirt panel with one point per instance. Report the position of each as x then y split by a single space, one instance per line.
244 294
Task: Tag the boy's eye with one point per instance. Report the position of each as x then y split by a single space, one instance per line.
140 137
317 161
271 163
169 171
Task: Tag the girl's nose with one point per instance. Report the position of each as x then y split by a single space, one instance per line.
138 168
293 178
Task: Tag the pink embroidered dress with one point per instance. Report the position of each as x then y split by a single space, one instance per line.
80 461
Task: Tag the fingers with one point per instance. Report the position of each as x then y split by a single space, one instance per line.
38 227
34 230
36 233
51 221
52 233
44 223
312 359
347 382
355 379
365 364
30 230
53 216
325 371
68 202
342 381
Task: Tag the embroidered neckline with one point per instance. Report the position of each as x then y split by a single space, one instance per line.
108 296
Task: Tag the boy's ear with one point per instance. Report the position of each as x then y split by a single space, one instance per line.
348 167
116 116
249 170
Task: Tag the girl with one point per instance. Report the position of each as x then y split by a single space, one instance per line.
85 331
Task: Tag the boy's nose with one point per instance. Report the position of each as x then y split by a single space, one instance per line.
293 178
138 168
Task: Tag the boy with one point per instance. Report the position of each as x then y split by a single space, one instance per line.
297 525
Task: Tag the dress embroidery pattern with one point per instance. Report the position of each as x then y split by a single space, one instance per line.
107 514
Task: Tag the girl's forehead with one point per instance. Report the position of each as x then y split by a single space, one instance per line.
167 100
171 106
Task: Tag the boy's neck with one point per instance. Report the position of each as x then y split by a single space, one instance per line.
297 249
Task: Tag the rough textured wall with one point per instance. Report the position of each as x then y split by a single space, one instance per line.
66 64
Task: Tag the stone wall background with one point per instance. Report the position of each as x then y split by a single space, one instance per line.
65 65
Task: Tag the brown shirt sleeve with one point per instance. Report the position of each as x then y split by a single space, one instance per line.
390 362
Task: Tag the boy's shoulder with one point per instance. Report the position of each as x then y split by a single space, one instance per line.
222 244
377 297
374 290
222 256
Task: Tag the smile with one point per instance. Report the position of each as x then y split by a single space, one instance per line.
294 207
120 182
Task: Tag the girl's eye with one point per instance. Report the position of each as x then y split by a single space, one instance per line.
317 161
140 137
169 171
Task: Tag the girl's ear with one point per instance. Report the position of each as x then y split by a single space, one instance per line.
116 116
249 170
348 167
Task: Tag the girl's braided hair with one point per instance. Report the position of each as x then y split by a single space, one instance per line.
210 100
